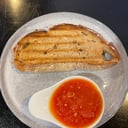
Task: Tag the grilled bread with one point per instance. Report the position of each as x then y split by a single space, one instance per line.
64 47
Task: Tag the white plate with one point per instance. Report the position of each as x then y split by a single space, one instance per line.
17 87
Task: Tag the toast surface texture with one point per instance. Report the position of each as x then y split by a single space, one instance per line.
63 47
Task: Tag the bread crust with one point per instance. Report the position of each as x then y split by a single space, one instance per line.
64 47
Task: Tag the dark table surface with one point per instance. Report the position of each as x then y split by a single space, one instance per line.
15 13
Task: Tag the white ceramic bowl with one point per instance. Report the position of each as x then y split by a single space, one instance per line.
40 101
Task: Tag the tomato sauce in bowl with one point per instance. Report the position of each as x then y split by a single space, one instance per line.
77 103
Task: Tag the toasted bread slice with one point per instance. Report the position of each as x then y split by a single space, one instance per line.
64 47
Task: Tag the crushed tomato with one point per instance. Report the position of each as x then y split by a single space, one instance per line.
76 103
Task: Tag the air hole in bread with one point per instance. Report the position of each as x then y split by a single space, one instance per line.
54 47
80 49
85 34
107 56
25 45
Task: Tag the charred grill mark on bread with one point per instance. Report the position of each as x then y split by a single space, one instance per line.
66 46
